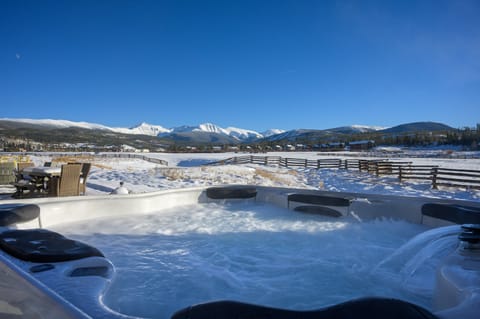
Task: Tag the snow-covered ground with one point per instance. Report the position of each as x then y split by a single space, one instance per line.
186 170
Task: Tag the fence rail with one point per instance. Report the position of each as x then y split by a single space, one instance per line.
404 170
455 178
100 155
282 161
135 156
416 172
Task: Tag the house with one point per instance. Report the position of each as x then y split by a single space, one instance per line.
336 146
361 145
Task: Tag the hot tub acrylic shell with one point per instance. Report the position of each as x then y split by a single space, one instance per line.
458 286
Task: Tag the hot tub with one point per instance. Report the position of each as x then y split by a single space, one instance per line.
343 253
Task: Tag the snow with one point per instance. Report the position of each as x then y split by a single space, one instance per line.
188 170
60 123
366 128
242 134
143 129
238 133
211 128
273 131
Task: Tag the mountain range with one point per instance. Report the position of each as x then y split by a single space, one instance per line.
149 129
199 134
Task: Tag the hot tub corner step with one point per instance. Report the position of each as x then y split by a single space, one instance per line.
44 246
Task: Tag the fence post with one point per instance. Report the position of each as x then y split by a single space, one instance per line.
266 160
306 163
400 173
318 164
434 177
286 162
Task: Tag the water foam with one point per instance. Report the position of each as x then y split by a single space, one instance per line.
254 253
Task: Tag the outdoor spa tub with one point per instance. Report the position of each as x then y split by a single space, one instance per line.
240 252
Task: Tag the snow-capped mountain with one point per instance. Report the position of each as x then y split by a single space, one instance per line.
273 131
142 129
205 127
236 133
233 133
367 128
352 129
242 134
60 123
211 133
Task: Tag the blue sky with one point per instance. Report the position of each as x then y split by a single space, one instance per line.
249 64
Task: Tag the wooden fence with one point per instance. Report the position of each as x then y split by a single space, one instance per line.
101 155
282 161
135 156
416 172
404 170
455 178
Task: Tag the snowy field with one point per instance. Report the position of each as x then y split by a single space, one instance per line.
187 170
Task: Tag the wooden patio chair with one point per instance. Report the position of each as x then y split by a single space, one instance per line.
68 184
83 177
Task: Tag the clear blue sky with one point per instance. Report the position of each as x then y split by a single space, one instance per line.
250 64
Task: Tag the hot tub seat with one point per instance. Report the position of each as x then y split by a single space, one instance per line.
372 308
320 200
231 192
44 246
18 213
457 214
318 210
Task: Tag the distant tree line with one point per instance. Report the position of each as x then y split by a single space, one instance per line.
467 137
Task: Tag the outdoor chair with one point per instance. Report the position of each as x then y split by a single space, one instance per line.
7 173
68 184
83 177
20 167
25 185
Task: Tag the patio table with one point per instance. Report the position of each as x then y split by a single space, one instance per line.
42 171
42 176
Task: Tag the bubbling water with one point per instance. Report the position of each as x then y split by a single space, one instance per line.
248 252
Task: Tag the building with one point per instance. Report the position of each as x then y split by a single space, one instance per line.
361 145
